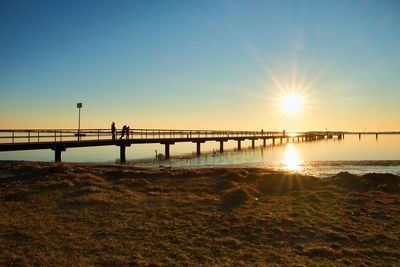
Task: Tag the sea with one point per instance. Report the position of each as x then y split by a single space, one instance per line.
354 154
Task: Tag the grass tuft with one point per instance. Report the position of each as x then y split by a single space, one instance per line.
224 185
234 198
59 168
321 252
234 175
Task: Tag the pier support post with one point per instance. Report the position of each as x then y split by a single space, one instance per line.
293 140
122 151
239 145
122 155
167 151
359 136
287 139
57 153
167 154
221 146
273 141
252 143
376 136
264 142
281 140
198 148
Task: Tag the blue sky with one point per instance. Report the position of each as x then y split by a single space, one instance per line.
199 64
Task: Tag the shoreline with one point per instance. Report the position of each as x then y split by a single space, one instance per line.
144 164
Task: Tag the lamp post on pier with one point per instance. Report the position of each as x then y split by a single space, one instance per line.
79 106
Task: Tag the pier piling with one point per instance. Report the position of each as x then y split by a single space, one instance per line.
57 154
167 151
122 156
198 148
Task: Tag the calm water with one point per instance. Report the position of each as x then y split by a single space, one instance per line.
323 157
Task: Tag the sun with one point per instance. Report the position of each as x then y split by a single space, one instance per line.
292 103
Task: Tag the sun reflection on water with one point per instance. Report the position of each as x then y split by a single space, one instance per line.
291 161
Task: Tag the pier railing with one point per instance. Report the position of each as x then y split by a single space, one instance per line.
62 135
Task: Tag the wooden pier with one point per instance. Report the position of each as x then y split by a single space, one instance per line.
59 140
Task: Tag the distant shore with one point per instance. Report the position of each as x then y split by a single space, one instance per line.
108 214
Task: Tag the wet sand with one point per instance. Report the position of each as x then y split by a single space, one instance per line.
83 214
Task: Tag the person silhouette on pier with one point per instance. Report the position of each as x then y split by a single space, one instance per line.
284 132
127 132
123 131
113 130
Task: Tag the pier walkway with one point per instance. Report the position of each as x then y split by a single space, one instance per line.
60 140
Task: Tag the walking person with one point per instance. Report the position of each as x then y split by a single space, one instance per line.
123 131
113 130
127 132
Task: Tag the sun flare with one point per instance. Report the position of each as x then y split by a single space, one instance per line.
292 103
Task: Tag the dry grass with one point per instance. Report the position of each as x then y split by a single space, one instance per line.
71 214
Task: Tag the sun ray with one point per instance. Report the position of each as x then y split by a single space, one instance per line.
277 83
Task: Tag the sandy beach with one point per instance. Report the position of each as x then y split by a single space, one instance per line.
86 214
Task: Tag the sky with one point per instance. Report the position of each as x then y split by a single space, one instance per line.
200 64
